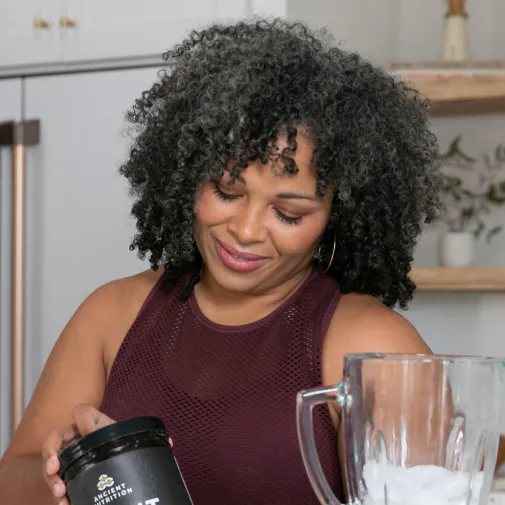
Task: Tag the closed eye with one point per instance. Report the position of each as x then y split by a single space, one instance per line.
230 198
288 219
224 196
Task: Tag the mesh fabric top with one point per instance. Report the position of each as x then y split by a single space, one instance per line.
227 394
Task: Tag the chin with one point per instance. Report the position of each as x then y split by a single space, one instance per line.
236 281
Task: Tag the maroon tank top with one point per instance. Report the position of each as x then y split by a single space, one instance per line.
227 394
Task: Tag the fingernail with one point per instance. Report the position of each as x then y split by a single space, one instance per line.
57 489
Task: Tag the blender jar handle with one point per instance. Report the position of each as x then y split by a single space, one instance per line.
305 402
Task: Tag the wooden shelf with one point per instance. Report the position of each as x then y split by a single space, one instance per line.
459 279
463 95
458 88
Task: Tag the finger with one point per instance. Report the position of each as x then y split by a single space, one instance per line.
89 419
57 438
103 420
57 486
171 442
85 419
55 441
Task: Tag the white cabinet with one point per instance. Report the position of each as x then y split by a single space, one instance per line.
113 29
27 33
65 31
60 31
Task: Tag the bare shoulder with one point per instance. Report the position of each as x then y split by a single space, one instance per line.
127 290
114 307
86 348
362 324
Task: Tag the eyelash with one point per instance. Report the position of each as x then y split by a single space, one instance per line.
287 219
224 196
230 198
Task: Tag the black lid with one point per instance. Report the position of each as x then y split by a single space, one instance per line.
121 429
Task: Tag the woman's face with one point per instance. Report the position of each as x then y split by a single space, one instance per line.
256 234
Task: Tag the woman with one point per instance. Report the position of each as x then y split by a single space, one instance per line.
280 184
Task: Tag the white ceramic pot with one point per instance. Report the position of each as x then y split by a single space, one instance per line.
455 46
457 249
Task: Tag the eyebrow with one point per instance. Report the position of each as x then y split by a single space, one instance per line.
295 196
287 196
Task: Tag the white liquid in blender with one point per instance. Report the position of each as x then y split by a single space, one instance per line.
418 485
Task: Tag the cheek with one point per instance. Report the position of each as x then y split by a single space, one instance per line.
209 210
298 239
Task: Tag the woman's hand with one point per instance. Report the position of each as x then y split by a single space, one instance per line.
86 419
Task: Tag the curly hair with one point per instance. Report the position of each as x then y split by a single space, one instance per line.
223 98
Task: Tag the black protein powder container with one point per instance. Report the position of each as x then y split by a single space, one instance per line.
127 463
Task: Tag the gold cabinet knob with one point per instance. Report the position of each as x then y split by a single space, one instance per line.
40 23
66 22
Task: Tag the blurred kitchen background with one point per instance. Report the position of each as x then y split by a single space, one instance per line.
76 66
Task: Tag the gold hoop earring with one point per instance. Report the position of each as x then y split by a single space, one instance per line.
332 253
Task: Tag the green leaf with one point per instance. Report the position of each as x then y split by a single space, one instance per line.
501 156
453 182
454 150
493 196
480 228
492 232
487 162
498 153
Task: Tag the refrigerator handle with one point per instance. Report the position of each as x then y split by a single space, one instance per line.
18 136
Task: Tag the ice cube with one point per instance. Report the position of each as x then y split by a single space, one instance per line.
418 485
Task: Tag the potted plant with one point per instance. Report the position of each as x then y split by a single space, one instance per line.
470 190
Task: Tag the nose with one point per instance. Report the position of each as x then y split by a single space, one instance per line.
248 226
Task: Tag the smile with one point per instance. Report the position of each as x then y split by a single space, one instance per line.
236 260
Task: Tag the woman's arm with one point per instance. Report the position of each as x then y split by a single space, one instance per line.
361 324
75 373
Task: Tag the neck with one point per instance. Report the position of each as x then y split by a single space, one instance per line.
232 308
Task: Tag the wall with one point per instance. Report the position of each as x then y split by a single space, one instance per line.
464 323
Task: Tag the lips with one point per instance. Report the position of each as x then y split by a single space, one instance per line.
236 260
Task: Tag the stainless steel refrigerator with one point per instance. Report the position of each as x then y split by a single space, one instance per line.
64 210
